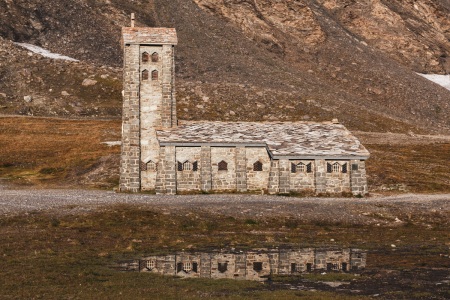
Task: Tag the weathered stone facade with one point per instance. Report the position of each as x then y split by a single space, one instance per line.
250 265
160 154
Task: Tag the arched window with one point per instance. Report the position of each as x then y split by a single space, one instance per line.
155 57
223 166
145 57
145 75
258 166
154 75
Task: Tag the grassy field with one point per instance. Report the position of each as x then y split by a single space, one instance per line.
58 152
46 151
46 256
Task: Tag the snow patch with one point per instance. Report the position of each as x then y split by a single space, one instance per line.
44 52
112 143
442 80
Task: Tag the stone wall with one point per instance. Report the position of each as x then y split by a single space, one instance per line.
359 180
301 179
188 180
338 182
223 180
130 152
257 180
148 103
150 107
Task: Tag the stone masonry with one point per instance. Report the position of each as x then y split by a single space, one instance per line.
161 155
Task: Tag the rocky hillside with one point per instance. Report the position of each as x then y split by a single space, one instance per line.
240 60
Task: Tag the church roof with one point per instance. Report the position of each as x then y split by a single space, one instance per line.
291 140
149 35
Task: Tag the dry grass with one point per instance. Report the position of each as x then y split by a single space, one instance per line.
41 151
49 152
72 256
417 168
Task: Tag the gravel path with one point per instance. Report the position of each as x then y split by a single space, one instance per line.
379 209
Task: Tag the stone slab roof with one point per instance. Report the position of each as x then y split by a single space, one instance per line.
149 35
292 140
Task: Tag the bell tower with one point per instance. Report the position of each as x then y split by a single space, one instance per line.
148 101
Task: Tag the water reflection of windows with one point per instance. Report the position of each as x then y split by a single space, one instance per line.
257 266
150 264
222 267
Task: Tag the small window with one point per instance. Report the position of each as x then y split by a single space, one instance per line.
309 267
293 168
179 267
257 266
195 267
344 267
309 168
257 166
154 75
145 75
151 166
145 57
150 264
293 267
223 166
301 168
155 57
187 267
354 167
222 267
187 166
336 168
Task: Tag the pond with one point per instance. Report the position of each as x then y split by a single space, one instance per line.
258 264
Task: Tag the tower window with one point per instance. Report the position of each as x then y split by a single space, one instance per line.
258 166
145 75
155 57
223 166
145 57
154 75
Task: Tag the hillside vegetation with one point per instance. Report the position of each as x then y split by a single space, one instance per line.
240 60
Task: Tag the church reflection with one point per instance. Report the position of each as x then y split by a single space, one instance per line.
249 265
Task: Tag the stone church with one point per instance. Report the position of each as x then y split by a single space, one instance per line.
168 156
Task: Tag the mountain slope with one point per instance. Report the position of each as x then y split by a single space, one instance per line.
243 60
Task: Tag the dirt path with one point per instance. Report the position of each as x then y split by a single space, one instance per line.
383 210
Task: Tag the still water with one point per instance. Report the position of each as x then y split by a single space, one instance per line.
256 265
